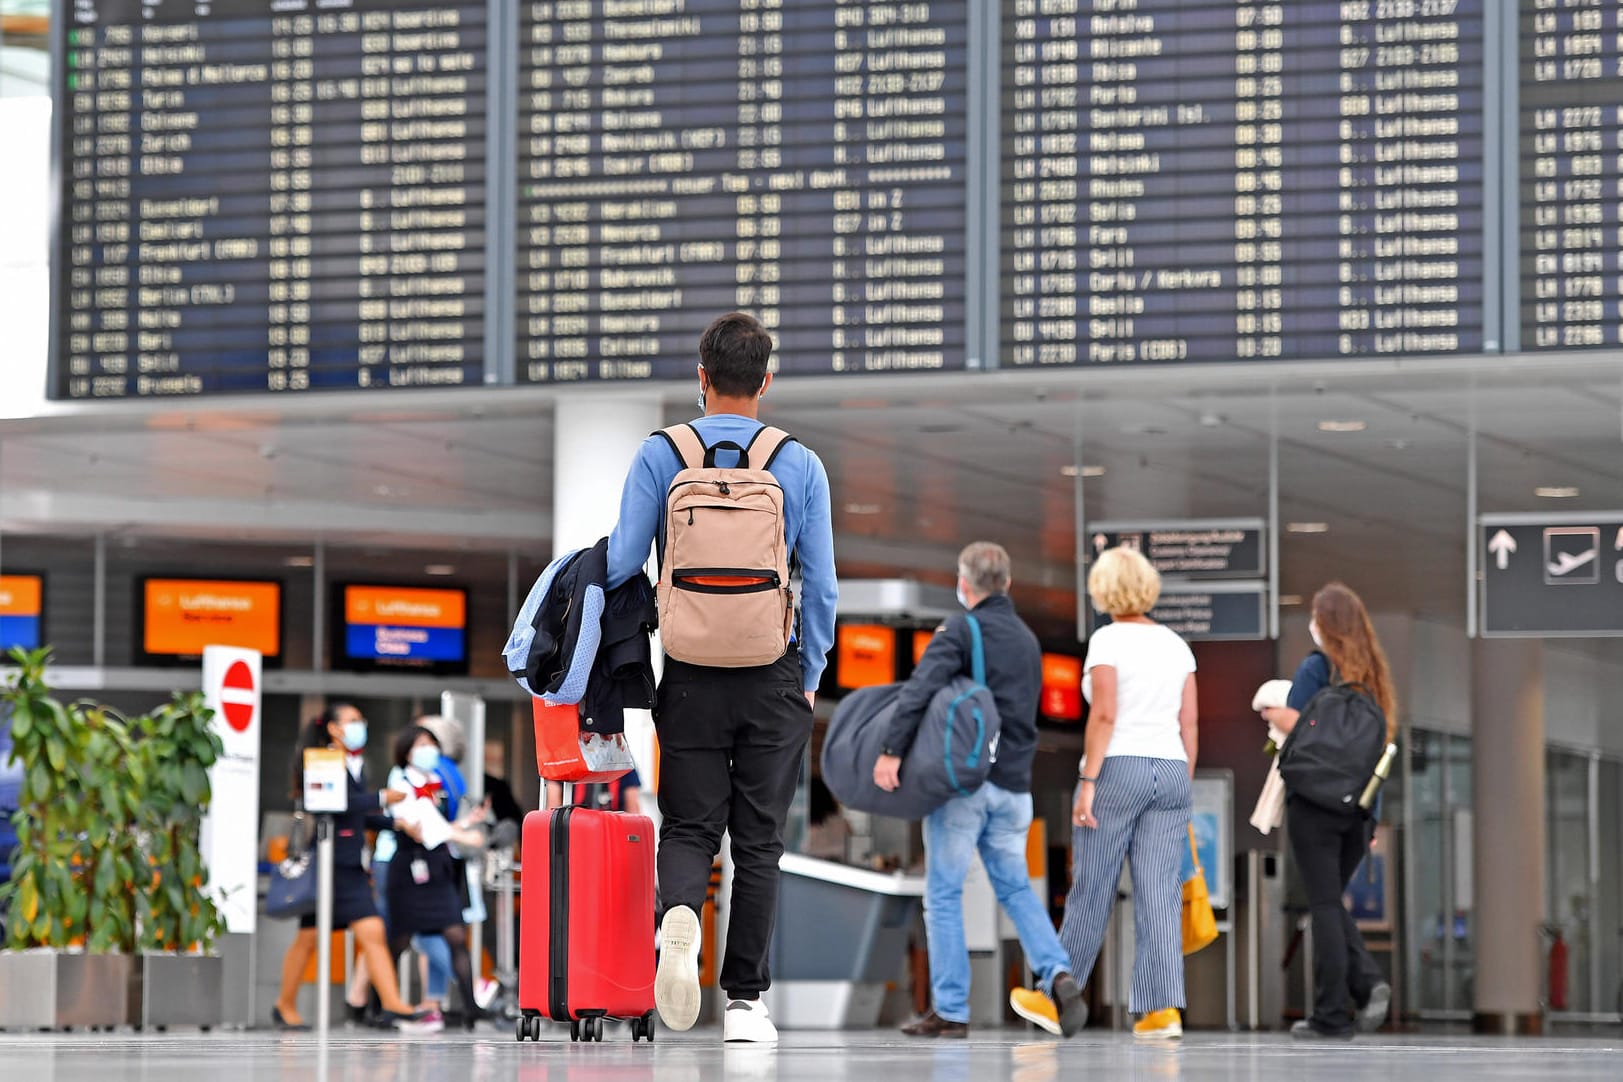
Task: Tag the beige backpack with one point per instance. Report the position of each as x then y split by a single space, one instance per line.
724 594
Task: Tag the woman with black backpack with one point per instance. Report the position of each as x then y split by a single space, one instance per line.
1343 682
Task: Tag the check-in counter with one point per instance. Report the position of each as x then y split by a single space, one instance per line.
841 938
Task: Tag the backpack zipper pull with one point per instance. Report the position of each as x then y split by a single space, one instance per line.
690 516
725 491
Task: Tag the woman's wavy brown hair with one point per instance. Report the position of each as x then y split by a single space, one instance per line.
1349 641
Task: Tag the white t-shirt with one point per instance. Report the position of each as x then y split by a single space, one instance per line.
1152 665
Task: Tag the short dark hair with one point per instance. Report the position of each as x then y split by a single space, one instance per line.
734 350
405 740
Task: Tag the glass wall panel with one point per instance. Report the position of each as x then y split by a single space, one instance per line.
1569 890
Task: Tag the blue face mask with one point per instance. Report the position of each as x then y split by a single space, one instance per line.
425 758
354 735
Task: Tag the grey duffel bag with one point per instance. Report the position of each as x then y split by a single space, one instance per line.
950 757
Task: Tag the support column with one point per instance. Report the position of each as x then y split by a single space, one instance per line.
1508 832
595 440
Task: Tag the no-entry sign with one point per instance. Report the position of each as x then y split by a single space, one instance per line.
232 685
239 696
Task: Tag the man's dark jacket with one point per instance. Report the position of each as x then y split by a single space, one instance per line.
1014 674
621 673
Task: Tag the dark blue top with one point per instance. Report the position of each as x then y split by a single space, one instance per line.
808 524
1312 676
1014 675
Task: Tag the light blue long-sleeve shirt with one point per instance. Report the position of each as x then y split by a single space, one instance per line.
807 519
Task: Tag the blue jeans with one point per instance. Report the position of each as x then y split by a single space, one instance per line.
995 822
438 953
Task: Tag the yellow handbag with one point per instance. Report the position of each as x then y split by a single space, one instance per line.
1199 924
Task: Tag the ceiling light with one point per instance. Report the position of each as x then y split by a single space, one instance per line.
863 508
439 570
300 561
1307 527
1343 426
1082 471
1556 492
1286 600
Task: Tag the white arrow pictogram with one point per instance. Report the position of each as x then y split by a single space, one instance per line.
1502 545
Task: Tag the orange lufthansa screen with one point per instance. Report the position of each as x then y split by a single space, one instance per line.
20 595
1062 687
866 655
181 616
921 643
404 605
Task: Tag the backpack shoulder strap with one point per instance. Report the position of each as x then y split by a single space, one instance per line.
687 443
764 447
977 652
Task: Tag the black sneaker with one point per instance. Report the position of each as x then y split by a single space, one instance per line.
1073 1009
1307 1031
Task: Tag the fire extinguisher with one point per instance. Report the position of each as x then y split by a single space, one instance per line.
1558 970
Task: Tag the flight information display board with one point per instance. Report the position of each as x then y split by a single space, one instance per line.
1222 180
804 160
1571 87
270 196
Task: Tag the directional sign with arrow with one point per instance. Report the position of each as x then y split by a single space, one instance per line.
1502 545
1575 589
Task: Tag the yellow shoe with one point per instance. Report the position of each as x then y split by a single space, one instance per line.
1035 1008
1162 1025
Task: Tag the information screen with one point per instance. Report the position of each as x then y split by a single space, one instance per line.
1571 178
1221 180
803 160
22 611
270 196
404 626
177 618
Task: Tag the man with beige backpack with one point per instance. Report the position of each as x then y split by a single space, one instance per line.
733 507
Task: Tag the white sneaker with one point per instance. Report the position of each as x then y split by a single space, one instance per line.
747 1020
676 982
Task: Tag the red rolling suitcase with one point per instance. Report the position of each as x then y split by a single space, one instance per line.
586 932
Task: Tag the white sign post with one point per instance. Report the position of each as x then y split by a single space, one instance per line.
232 687
230 843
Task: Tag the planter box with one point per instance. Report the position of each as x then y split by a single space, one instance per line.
52 989
176 990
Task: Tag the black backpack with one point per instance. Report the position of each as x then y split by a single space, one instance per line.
1332 752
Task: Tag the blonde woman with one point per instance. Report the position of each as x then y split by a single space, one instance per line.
1133 795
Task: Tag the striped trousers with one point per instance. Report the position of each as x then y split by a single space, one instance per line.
1143 808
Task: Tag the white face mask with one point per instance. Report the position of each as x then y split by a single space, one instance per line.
1313 629
425 758
962 600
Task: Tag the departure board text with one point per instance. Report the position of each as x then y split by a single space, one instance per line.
1240 180
277 196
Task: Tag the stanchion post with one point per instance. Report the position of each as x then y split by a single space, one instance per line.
324 874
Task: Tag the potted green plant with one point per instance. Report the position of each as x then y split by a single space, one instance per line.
107 917
178 978
71 903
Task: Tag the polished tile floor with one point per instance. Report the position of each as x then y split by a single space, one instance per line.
803 1057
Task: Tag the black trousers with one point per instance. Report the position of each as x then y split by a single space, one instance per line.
731 745
1328 848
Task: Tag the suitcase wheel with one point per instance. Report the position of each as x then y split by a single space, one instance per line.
642 1029
528 1026
574 1029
